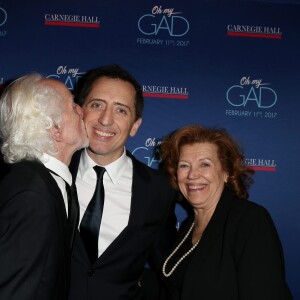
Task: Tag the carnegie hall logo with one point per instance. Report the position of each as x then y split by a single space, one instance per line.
168 92
251 98
163 26
71 20
260 164
3 21
254 31
68 75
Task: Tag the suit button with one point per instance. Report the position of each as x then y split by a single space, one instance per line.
91 272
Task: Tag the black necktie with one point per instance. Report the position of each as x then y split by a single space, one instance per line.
73 211
90 223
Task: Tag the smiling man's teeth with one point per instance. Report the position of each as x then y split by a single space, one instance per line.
104 133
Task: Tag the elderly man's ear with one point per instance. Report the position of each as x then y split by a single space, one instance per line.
56 133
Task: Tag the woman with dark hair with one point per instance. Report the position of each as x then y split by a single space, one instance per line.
229 248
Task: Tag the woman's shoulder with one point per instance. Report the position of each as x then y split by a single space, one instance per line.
249 214
246 206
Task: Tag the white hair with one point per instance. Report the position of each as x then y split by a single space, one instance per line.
28 109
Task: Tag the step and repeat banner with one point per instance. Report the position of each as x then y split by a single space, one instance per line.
219 63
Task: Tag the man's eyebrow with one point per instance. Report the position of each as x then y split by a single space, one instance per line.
94 99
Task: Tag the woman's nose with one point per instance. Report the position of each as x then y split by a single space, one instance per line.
193 173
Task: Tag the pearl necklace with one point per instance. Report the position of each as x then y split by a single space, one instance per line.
183 256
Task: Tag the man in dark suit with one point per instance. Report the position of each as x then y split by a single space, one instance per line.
138 221
41 127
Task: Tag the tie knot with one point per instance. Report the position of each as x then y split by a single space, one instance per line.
99 171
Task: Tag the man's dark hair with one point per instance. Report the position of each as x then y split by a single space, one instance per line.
111 71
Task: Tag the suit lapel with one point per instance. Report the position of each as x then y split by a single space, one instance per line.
73 167
59 204
140 183
53 189
212 233
46 176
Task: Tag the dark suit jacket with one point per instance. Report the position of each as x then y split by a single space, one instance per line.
239 256
34 242
148 236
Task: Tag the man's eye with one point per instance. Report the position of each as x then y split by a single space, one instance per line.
96 105
122 111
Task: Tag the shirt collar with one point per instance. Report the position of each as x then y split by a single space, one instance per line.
57 167
114 169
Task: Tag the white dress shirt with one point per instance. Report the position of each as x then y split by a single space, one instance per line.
60 169
117 181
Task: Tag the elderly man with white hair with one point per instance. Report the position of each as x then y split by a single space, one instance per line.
40 127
